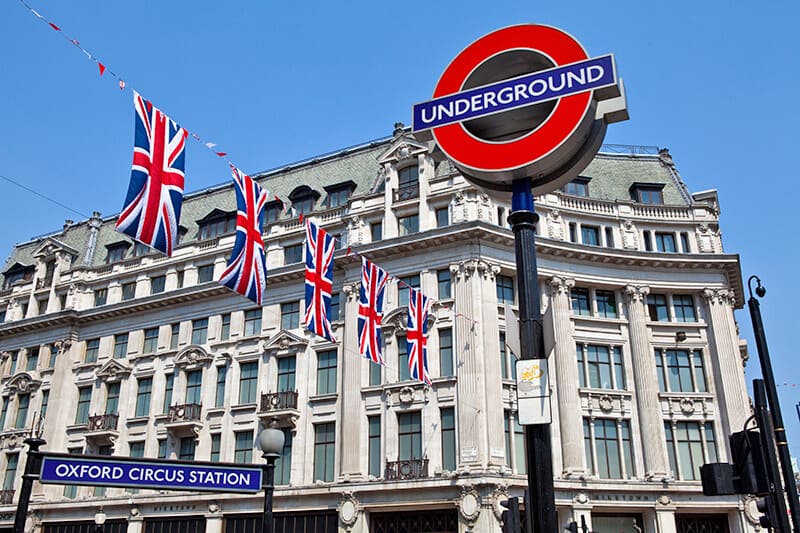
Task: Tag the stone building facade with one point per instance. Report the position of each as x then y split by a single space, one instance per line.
127 352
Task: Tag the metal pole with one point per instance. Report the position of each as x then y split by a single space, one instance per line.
777 503
269 487
33 465
774 405
537 437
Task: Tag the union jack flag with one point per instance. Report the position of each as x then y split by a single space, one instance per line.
417 335
246 272
370 310
318 252
153 205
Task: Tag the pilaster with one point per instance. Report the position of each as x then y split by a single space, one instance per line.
350 464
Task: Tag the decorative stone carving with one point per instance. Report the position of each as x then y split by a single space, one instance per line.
605 403
555 225
406 395
581 498
348 510
193 356
213 507
63 345
559 285
13 441
112 371
499 496
469 504
284 343
705 238
751 512
687 406
635 293
22 383
719 296
664 500
469 267
351 290
630 236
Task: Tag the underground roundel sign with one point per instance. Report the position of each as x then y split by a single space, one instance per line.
525 101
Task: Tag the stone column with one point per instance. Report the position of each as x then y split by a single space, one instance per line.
351 418
567 379
651 423
389 174
728 372
665 515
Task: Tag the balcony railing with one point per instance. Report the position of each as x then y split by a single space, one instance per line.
6 496
406 192
409 469
188 411
276 401
104 422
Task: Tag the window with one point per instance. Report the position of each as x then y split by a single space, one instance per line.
609 237
168 386
14 358
17 273
272 212
409 435
45 402
158 284
444 283
338 195
326 372
187 448
376 231
290 315
304 201
92 349
243 452
600 367
150 340
137 449
648 243
442 217
112 398
144 390
374 445
577 187
448 439
174 333
216 224
665 242
683 305
581 303
12 462
647 193
608 448
505 289
680 370
334 307
408 183
4 413
248 382
2 315
403 372
216 445
128 290
219 395
116 252
162 448
606 304
503 356
179 282
205 273
515 443
252 322
194 387
283 464
375 374
657 307
120 345
140 249
225 328
403 285
324 451
84 400
199 331
23 403
292 254
685 443
446 352
53 349
407 225
70 491
685 248
590 235
573 232
286 373
100 297
33 359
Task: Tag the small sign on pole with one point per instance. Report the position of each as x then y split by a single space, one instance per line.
533 392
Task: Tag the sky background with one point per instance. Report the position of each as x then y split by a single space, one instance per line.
276 82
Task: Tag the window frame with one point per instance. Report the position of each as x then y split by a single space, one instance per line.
326 372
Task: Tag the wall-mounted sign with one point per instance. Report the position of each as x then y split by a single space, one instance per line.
525 101
175 475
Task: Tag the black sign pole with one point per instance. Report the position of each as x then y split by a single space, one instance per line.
537 437
33 464
777 511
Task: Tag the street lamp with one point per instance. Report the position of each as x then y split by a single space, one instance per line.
99 520
270 440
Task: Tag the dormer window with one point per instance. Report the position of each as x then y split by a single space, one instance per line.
140 249
647 193
408 183
16 273
303 199
217 223
272 212
116 252
577 187
339 194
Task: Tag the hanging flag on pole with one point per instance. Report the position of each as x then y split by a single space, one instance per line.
417 335
318 253
246 272
370 310
153 206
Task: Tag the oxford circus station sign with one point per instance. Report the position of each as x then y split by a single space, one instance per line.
525 101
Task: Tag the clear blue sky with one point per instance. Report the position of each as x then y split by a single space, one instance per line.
275 82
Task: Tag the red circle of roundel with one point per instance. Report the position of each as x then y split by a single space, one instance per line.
472 152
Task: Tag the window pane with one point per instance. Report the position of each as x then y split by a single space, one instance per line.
403 372
446 351
326 372
444 282
606 304
286 373
448 439
580 301
144 390
248 382
505 289
374 426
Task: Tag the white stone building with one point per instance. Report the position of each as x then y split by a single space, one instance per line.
130 353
